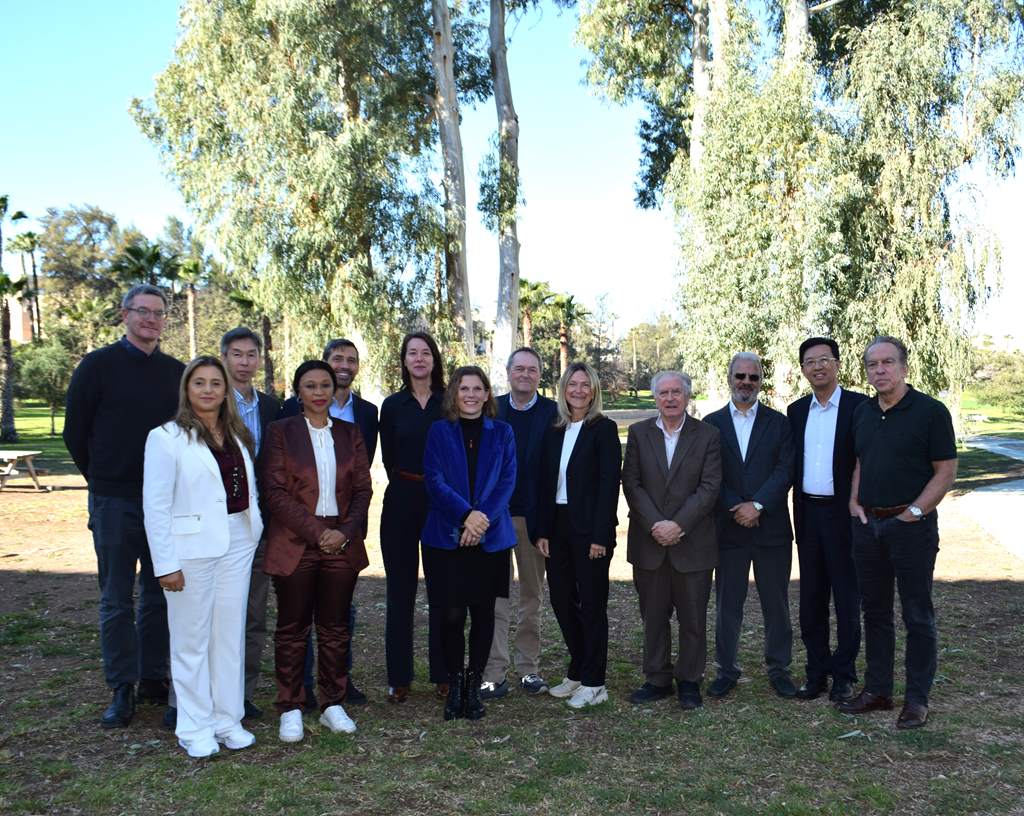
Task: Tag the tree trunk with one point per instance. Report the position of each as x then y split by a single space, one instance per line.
53 419
701 83
719 38
507 318
8 433
268 357
190 299
446 109
35 297
527 328
796 32
563 348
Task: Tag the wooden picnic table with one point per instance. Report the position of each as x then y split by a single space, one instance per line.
11 458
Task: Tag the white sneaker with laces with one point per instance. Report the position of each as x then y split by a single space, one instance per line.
335 718
291 726
200 748
588 696
236 738
564 689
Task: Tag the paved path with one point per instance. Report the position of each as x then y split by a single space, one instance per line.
997 508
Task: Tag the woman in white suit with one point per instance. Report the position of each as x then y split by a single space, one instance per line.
203 523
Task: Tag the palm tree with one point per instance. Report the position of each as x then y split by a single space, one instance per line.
569 313
146 263
532 296
8 287
27 243
190 272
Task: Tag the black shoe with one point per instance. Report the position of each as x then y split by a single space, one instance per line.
252 711
494 691
354 696
721 686
812 689
649 693
474 707
783 686
121 709
170 718
842 690
153 692
454 702
311 705
689 695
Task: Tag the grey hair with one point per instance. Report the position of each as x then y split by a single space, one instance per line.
240 333
679 375
747 356
142 289
522 350
901 347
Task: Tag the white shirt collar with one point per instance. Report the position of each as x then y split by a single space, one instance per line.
313 427
239 398
736 412
527 407
833 400
676 432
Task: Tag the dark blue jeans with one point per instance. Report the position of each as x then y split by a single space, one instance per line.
891 554
134 646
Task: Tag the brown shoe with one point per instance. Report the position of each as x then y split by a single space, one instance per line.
913 715
442 691
398 694
865 702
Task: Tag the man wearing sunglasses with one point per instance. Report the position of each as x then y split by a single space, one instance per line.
753 524
118 394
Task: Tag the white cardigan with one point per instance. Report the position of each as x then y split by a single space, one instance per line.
183 499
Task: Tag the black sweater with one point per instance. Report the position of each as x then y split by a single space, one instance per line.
116 397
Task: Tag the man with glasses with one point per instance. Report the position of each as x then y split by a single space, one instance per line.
906 462
822 425
118 394
753 527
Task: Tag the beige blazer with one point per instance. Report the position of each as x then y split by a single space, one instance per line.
684 491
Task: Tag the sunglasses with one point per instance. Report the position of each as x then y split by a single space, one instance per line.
752 377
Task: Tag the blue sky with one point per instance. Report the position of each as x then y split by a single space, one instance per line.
71 69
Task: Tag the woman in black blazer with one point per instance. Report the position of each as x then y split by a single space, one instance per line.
582 461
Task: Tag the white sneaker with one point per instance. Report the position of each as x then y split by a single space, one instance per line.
291 726
588 696
565 688
335 718
200 748
236 738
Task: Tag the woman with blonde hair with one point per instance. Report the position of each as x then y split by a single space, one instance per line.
203 523
582 462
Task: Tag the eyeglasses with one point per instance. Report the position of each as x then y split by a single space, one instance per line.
818 361
739 375
145 313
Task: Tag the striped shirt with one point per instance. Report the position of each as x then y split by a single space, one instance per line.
250 413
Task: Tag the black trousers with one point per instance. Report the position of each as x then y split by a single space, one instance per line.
578 586
771 576
827 573
891 554
481 633
402 518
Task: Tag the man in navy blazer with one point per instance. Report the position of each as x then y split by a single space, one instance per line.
530 415
343 358
753 524
822 424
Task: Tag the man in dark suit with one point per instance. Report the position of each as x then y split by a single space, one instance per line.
753 526
822 424
671 477
241 349
530 416
343 358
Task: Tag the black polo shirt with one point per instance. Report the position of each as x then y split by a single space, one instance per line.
403 431
896 448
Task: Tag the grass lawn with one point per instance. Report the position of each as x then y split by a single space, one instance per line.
998 422
32 419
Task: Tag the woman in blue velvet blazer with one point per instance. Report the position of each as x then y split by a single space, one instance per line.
469 469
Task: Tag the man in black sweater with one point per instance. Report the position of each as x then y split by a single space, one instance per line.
118 394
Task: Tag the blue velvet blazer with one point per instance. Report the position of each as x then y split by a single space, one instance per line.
446 475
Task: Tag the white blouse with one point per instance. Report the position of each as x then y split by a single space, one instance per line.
326 468
572 432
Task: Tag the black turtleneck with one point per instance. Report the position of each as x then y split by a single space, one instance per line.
471 431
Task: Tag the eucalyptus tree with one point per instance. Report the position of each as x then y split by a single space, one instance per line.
301 136
27 243
8 288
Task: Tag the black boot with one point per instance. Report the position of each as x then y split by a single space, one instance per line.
474 706
121 709
454 704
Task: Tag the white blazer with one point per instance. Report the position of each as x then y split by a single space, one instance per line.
184 502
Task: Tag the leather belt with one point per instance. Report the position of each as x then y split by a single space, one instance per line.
813 499
886 512
409 476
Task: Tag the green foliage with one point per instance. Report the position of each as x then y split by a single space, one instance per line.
500 190
44 371
997 377
648 348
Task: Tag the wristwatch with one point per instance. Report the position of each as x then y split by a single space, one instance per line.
758 507
915 511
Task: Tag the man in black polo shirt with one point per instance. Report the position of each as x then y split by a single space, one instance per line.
906 462
118 394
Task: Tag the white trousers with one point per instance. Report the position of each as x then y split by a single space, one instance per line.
207 625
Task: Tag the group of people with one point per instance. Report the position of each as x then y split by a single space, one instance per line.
208 489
